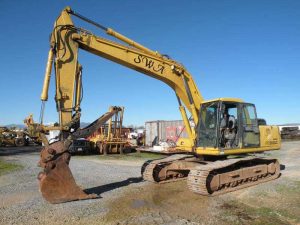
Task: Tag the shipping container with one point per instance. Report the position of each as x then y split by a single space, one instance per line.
163 130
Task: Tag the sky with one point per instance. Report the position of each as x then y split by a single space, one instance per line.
233 48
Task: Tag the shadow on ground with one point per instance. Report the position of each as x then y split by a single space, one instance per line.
108 187
7 151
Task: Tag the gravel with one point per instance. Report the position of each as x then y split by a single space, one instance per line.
125 199
21 202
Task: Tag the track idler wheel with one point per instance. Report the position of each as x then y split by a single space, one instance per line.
56 182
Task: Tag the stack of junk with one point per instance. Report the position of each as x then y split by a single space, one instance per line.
290 132
111 137
162 135
13 137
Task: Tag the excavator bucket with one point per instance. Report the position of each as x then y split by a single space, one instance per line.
57 183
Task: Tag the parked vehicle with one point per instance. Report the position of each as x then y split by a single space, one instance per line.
81 146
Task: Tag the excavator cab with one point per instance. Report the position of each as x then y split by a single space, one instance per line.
228 124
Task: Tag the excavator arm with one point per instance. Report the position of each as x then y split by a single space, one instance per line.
56 181
66 39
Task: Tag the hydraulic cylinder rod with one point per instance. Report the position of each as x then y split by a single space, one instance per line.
114 33
131 42
44 95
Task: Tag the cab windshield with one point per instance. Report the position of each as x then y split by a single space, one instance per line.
208 126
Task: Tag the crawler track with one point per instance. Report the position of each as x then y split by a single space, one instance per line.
151 169
233 174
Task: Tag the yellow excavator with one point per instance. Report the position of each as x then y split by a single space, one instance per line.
223 134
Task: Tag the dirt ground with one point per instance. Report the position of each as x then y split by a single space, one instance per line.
126 199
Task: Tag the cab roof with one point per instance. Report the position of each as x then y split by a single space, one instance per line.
224 100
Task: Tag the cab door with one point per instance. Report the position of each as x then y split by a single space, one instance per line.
249 126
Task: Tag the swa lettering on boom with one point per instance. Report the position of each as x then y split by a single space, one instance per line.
149 63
